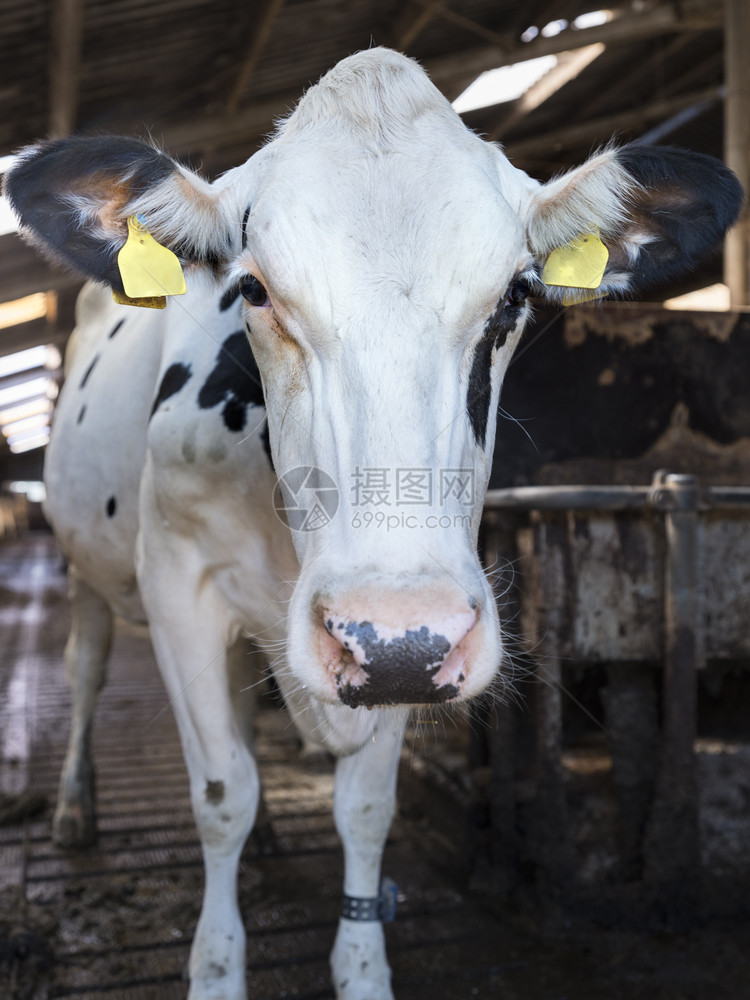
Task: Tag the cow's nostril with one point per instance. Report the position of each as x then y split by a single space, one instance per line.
339 660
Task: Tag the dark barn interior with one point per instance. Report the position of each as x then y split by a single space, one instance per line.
586 837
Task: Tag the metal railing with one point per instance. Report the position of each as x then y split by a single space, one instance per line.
672 848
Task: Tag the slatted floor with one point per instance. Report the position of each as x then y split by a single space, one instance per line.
117 919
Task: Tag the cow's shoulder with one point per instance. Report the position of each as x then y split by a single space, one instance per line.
207 418
209 480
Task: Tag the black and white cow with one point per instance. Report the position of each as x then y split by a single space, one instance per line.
373 263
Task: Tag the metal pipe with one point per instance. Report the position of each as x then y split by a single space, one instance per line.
728 497
551 831
608 498
568 498
673 843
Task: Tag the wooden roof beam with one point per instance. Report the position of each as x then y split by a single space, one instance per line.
625 83
66 42
221 130
692 15
228 129
602 129
409 25
442 10
569 66
707 69
737 146
262 27
23 271
660 131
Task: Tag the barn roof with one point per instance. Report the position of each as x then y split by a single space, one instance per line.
207 78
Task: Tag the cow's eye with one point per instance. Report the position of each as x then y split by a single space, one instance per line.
517 294
253 292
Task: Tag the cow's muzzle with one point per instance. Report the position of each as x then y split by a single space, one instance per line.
390 655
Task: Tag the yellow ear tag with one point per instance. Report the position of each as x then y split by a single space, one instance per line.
147 268
577 296
151 302
579 264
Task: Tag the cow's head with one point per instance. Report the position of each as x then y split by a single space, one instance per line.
385 254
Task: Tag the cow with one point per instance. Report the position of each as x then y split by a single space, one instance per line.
355 292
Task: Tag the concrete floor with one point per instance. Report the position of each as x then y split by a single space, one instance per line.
115 922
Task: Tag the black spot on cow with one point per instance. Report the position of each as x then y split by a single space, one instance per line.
495 334
87 373
214 792
229 297
111 507
265 439
81 414
400 670
234 381
211 259
245 217
174 378
480 390
116 327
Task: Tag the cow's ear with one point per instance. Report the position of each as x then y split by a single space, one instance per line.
658 212
73 198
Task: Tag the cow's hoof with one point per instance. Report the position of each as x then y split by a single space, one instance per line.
363 990
202 989
358 962
73 827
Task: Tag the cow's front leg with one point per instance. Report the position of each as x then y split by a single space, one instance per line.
86 652
364 803
191 635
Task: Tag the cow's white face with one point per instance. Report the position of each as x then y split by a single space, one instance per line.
385 254
383 309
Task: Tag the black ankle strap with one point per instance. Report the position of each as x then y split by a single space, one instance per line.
381 908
